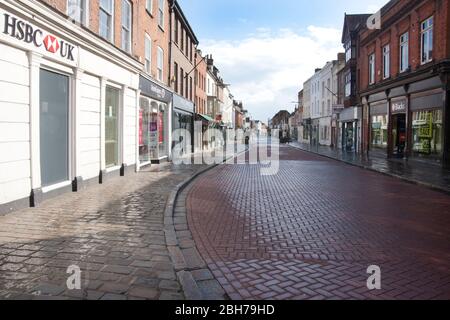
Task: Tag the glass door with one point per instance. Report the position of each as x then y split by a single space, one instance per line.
54 127
112 127
399 135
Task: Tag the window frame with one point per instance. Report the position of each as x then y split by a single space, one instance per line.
148 40
161 16
404 45
160 64
149 10
110 37
83 14
130 27
428 30
348 51
348 84
386 61
372 68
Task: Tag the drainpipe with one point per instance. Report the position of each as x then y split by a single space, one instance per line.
171 6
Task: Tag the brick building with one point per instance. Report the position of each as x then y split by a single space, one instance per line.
182 55
404 81
350 117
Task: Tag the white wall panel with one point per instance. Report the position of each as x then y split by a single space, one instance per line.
15 182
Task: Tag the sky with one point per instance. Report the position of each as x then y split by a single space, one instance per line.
266 49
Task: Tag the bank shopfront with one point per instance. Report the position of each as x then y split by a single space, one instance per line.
408 121
67 119
154 122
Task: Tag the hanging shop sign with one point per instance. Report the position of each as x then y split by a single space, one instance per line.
26 35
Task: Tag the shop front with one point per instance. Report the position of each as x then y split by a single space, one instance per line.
407 122
183 119
154 122
379 126
427 126
63 108
398 127
349 120
315 130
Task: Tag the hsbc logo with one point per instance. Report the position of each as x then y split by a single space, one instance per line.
51 44
36 37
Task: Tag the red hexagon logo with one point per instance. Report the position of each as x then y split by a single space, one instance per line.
51 44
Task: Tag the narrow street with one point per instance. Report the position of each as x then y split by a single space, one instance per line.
312 230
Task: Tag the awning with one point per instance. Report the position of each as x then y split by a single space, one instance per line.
206 117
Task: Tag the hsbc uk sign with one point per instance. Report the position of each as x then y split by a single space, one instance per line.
28 36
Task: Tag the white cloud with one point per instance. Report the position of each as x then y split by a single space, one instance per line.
267 69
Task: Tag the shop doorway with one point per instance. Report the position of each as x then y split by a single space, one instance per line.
399 135
54 127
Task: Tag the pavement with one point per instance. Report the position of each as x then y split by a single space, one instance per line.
311 231
113 232
429 174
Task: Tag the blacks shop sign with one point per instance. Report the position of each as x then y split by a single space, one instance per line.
26 35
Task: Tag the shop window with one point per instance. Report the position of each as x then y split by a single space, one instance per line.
427 40
379 131
112 99
106 19
126 25
427 133
54 127
78 10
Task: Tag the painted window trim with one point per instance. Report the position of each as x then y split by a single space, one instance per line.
130 30
86 16
428 30
112 20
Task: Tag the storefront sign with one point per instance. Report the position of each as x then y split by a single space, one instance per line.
398 106
152 90
28 36
183 104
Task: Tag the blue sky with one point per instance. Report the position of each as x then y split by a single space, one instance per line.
266 49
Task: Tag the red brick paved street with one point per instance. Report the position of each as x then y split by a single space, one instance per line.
311 231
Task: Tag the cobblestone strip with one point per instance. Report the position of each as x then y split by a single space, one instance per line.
197 281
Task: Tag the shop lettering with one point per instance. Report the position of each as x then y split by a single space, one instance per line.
23 31
398 107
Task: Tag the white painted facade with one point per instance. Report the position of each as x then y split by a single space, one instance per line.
227 112
323 85
96 66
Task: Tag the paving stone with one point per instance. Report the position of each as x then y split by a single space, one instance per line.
309 224
143 292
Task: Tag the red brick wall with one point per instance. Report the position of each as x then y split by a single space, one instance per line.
200 91
373 41
143 22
